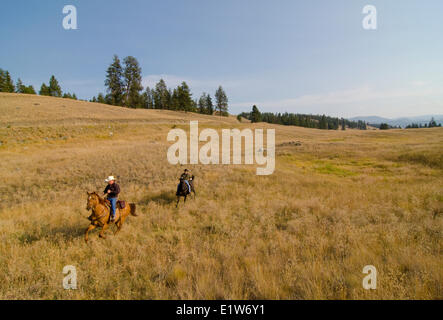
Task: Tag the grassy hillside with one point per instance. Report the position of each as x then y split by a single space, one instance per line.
337 202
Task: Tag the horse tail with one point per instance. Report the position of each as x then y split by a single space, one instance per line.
133 207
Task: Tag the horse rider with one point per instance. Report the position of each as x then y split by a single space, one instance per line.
186 177
112 191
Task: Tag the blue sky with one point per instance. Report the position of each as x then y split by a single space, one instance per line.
296 56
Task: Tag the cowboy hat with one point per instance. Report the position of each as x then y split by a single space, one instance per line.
110 178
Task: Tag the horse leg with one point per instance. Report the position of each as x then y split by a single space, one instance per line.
178 201
119 224
102 233
185 199
90 228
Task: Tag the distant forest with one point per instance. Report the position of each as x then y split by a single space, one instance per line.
303 120
431 124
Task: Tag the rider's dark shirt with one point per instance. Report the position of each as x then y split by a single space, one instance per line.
115 190
185 176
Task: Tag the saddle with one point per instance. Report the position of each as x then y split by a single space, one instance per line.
187 183
120 204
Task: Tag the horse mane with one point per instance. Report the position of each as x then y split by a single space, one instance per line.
100 199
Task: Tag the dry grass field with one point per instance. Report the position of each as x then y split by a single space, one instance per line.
338 202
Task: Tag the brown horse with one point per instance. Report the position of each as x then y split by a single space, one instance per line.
101 212
183 190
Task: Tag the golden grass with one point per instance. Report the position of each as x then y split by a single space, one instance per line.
338 202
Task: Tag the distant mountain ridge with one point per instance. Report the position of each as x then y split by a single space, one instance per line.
402 122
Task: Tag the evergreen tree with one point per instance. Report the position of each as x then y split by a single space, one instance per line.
221 101
132 82
29 90
343 124
323 124
68 95
54 88
209 105
432 123
161 96
255 114
8 84
335 124
2 79
184 96
148 100
101 98
44 90
114 82
20 87
202 108
175 100
181 98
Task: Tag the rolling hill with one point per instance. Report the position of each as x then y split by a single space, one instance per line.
337 201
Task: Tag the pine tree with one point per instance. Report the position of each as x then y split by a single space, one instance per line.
8 84
175 100
204 104
44 90
209 105
132 82
101 98
185 101
114 82
323 124
202 108
161 96
20 87
221 101
29 90
2 79
336 124
54 88
432 123
147 98
255 114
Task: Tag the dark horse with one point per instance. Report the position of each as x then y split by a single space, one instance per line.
183 190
